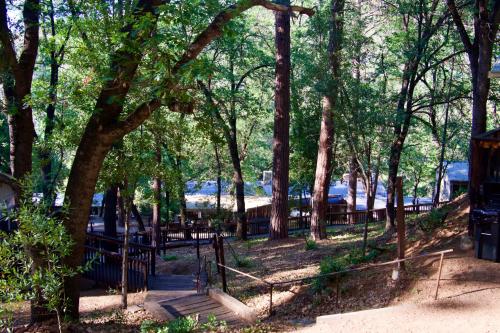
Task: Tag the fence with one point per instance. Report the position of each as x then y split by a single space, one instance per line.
221 267
106 269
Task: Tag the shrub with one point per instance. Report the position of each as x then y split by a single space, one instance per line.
243 262
170 257
338 264
186 324
31 259
311 244
434 219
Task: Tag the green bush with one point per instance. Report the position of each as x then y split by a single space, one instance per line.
434 219
186 324
243 262
338 264
311 244
170 257
31 259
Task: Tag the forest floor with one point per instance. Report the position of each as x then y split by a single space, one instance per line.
297 305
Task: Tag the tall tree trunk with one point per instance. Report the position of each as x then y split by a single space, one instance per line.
479 51
281 151
239 184
121 207
352 189
400 132
110 211
156 227
46 153
219 179
322 177
138 217
167 204
16 81
124 298
370 199
325 152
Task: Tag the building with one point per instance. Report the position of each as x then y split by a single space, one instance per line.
455 180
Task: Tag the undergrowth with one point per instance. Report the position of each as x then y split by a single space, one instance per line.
186 324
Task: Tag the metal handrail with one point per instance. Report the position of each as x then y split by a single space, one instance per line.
357 269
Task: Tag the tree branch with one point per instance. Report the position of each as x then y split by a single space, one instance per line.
457 19
6 37
250 71
215 28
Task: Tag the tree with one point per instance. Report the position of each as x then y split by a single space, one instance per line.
324 161
281 151
486 18
111 121
16 78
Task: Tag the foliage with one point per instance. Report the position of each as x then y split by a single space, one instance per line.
310 244
434 219
330 265
170 257
32 259
243 261
186 324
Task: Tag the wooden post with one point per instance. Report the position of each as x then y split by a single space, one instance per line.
270 299
400 219
198 242
439 275
216 248
223 263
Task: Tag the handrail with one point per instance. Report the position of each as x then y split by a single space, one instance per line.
387 263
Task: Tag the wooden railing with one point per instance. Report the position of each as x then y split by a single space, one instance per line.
105 255
106 269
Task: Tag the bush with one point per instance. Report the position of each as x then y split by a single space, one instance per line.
170 257
311 244
434 219
31 259
183 325
330 265
243 262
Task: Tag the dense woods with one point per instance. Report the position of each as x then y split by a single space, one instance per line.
134 99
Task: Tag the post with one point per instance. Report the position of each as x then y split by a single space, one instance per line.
270 299
223 263
439 275
216 248
400 219
198 242
152 253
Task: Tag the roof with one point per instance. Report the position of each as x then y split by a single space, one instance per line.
458 171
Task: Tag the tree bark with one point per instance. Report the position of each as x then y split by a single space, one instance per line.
479 51
281 151
17 79
219 179
138 217
322 177
352 189
156 223
110 211
324 161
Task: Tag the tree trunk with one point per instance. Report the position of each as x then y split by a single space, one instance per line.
121 207
124 300
324 161
352 189
138 217
156 223
279 207
167 204
110 212
46 153
239 184
322 177
219 179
